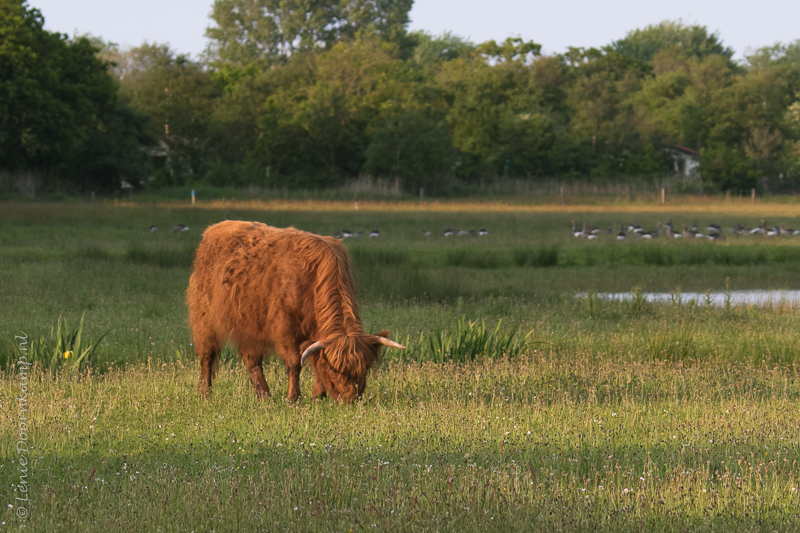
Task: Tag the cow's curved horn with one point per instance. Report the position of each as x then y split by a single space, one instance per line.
390 343
311 349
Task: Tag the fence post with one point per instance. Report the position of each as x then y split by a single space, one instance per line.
421 194
752 196
562 195
727 196
92 196
663 196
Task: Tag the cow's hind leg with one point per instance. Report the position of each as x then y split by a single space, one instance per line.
208 354
256 373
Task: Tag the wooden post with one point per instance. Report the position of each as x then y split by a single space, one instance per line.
727 196
421 194
752 196
92 196
562 195
663 196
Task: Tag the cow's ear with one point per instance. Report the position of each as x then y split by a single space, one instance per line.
384 334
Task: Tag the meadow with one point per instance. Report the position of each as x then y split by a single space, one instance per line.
516 405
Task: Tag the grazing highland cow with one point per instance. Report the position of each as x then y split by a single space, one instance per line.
269 288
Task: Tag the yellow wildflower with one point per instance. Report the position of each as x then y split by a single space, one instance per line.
67 354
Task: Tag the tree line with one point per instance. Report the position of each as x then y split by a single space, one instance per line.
298 95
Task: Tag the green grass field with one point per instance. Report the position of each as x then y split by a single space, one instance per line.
575 414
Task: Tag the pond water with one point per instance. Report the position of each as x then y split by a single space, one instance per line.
754 297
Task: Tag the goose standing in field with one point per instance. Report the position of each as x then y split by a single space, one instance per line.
448 232
774 231
575 231
714 228
652 234
741 230
153 229
716 236
483 232
762 229
671 232
375 233
426 233
588 234
789 231
179 227
635 228
622 235
347 233
691 233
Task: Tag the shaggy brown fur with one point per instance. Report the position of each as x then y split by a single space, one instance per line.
268 288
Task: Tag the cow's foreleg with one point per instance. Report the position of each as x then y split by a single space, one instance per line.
321 383
290 354
293 373
256 373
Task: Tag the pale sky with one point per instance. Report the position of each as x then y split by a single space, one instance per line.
555 25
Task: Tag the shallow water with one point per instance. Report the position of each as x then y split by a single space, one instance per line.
754 297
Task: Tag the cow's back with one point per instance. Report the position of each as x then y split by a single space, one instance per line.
254 283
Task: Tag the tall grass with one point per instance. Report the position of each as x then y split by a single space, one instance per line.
468 341
63 347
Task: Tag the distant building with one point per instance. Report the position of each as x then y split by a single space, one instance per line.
685 159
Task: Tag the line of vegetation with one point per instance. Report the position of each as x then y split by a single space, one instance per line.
366 104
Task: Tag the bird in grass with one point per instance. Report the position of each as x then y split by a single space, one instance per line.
153 229
375 233
789 231
483 232
716 236
652 234
635 228
714 228
762 229
448 232
426 233
575 231
691 233
587 233
671 232
179 227
622 235
347 233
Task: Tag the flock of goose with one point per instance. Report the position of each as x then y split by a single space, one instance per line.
346 233
175 229
714 232
448 232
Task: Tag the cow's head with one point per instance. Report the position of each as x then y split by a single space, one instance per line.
342 364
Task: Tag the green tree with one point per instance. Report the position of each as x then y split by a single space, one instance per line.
57 102
262 32
644 44
178 96
315 128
